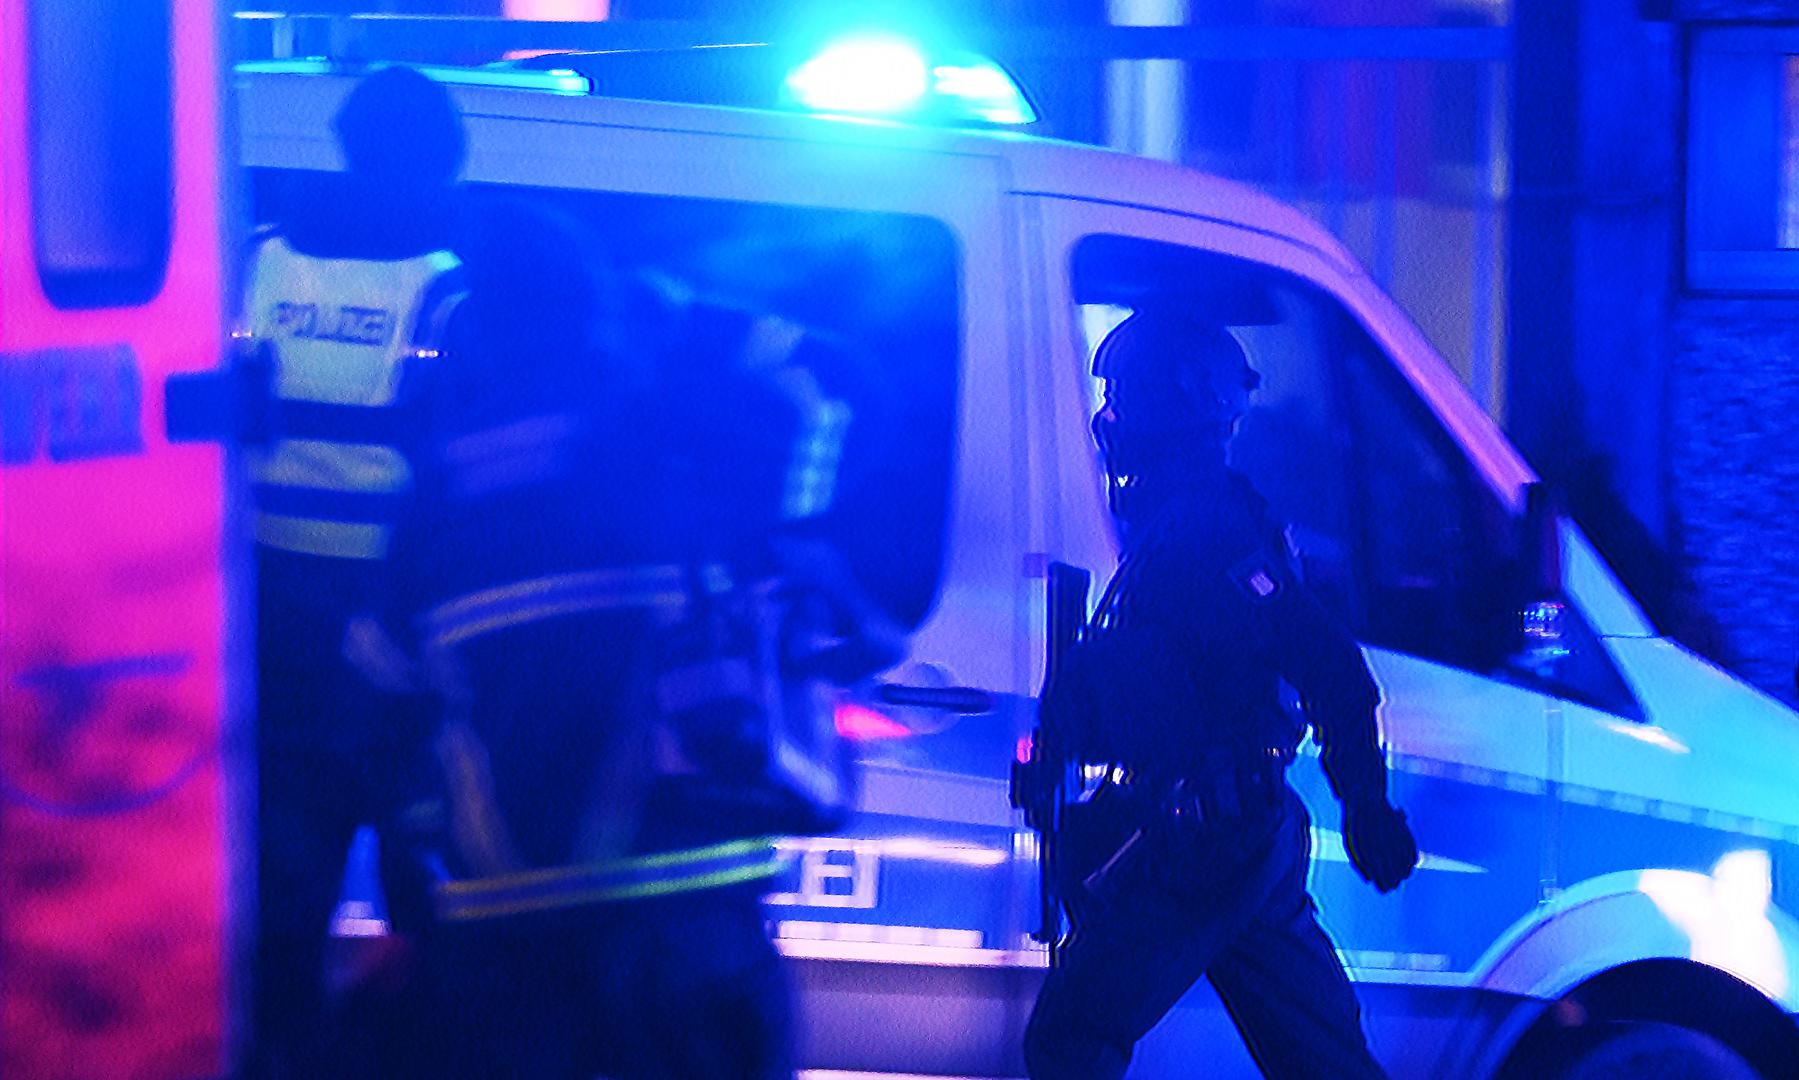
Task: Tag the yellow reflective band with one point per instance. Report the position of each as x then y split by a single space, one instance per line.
378 657
463 913
475 817
311 536
530 601
683 857
313 463
525 614
662 874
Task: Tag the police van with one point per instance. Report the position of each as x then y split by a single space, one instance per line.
1609 825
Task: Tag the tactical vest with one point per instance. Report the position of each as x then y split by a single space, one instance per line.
342 334
1134 692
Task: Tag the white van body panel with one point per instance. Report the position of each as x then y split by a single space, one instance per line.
1433 713
1712 746
1652 914
1609 610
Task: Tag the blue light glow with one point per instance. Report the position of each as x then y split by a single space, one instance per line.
1726 917
980 89
876 75
887 75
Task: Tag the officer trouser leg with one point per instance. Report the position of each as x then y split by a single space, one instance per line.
1282 983
1121 974
1284 986
314 788
1261 945
514 998
304 828
707 991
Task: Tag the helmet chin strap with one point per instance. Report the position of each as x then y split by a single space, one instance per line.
1191 464
1180 444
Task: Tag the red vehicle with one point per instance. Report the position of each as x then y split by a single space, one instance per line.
115 851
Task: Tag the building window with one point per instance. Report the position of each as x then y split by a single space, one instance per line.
100 144
1742 205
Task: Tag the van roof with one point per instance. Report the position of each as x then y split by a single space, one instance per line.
285 122
307 98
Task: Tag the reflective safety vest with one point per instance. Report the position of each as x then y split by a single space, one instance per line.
343 333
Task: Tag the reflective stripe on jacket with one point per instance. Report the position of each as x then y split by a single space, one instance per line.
662 874
494 881
342 333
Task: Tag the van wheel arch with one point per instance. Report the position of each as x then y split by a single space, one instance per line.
1694 1017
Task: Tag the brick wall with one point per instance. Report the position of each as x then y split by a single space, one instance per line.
1724 10
1733 467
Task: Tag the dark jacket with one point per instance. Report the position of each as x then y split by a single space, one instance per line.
1204 619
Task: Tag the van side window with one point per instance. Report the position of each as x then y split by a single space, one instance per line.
881 291
100 149
1387 516
887 288
1433 585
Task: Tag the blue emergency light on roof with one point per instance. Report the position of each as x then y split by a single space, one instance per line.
865 74
882 75
983 90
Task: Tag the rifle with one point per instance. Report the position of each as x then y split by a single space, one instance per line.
1040 784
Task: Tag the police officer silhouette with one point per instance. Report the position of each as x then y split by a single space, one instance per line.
1190 858
602 606
346 297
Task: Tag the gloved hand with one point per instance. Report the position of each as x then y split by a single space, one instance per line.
1379 842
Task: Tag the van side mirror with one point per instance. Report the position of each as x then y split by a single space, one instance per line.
1542 641
1541 536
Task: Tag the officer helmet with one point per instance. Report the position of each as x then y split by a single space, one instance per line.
1176 386
400 126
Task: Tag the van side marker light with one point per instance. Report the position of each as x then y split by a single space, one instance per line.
860 723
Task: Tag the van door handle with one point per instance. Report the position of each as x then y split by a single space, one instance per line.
957 699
